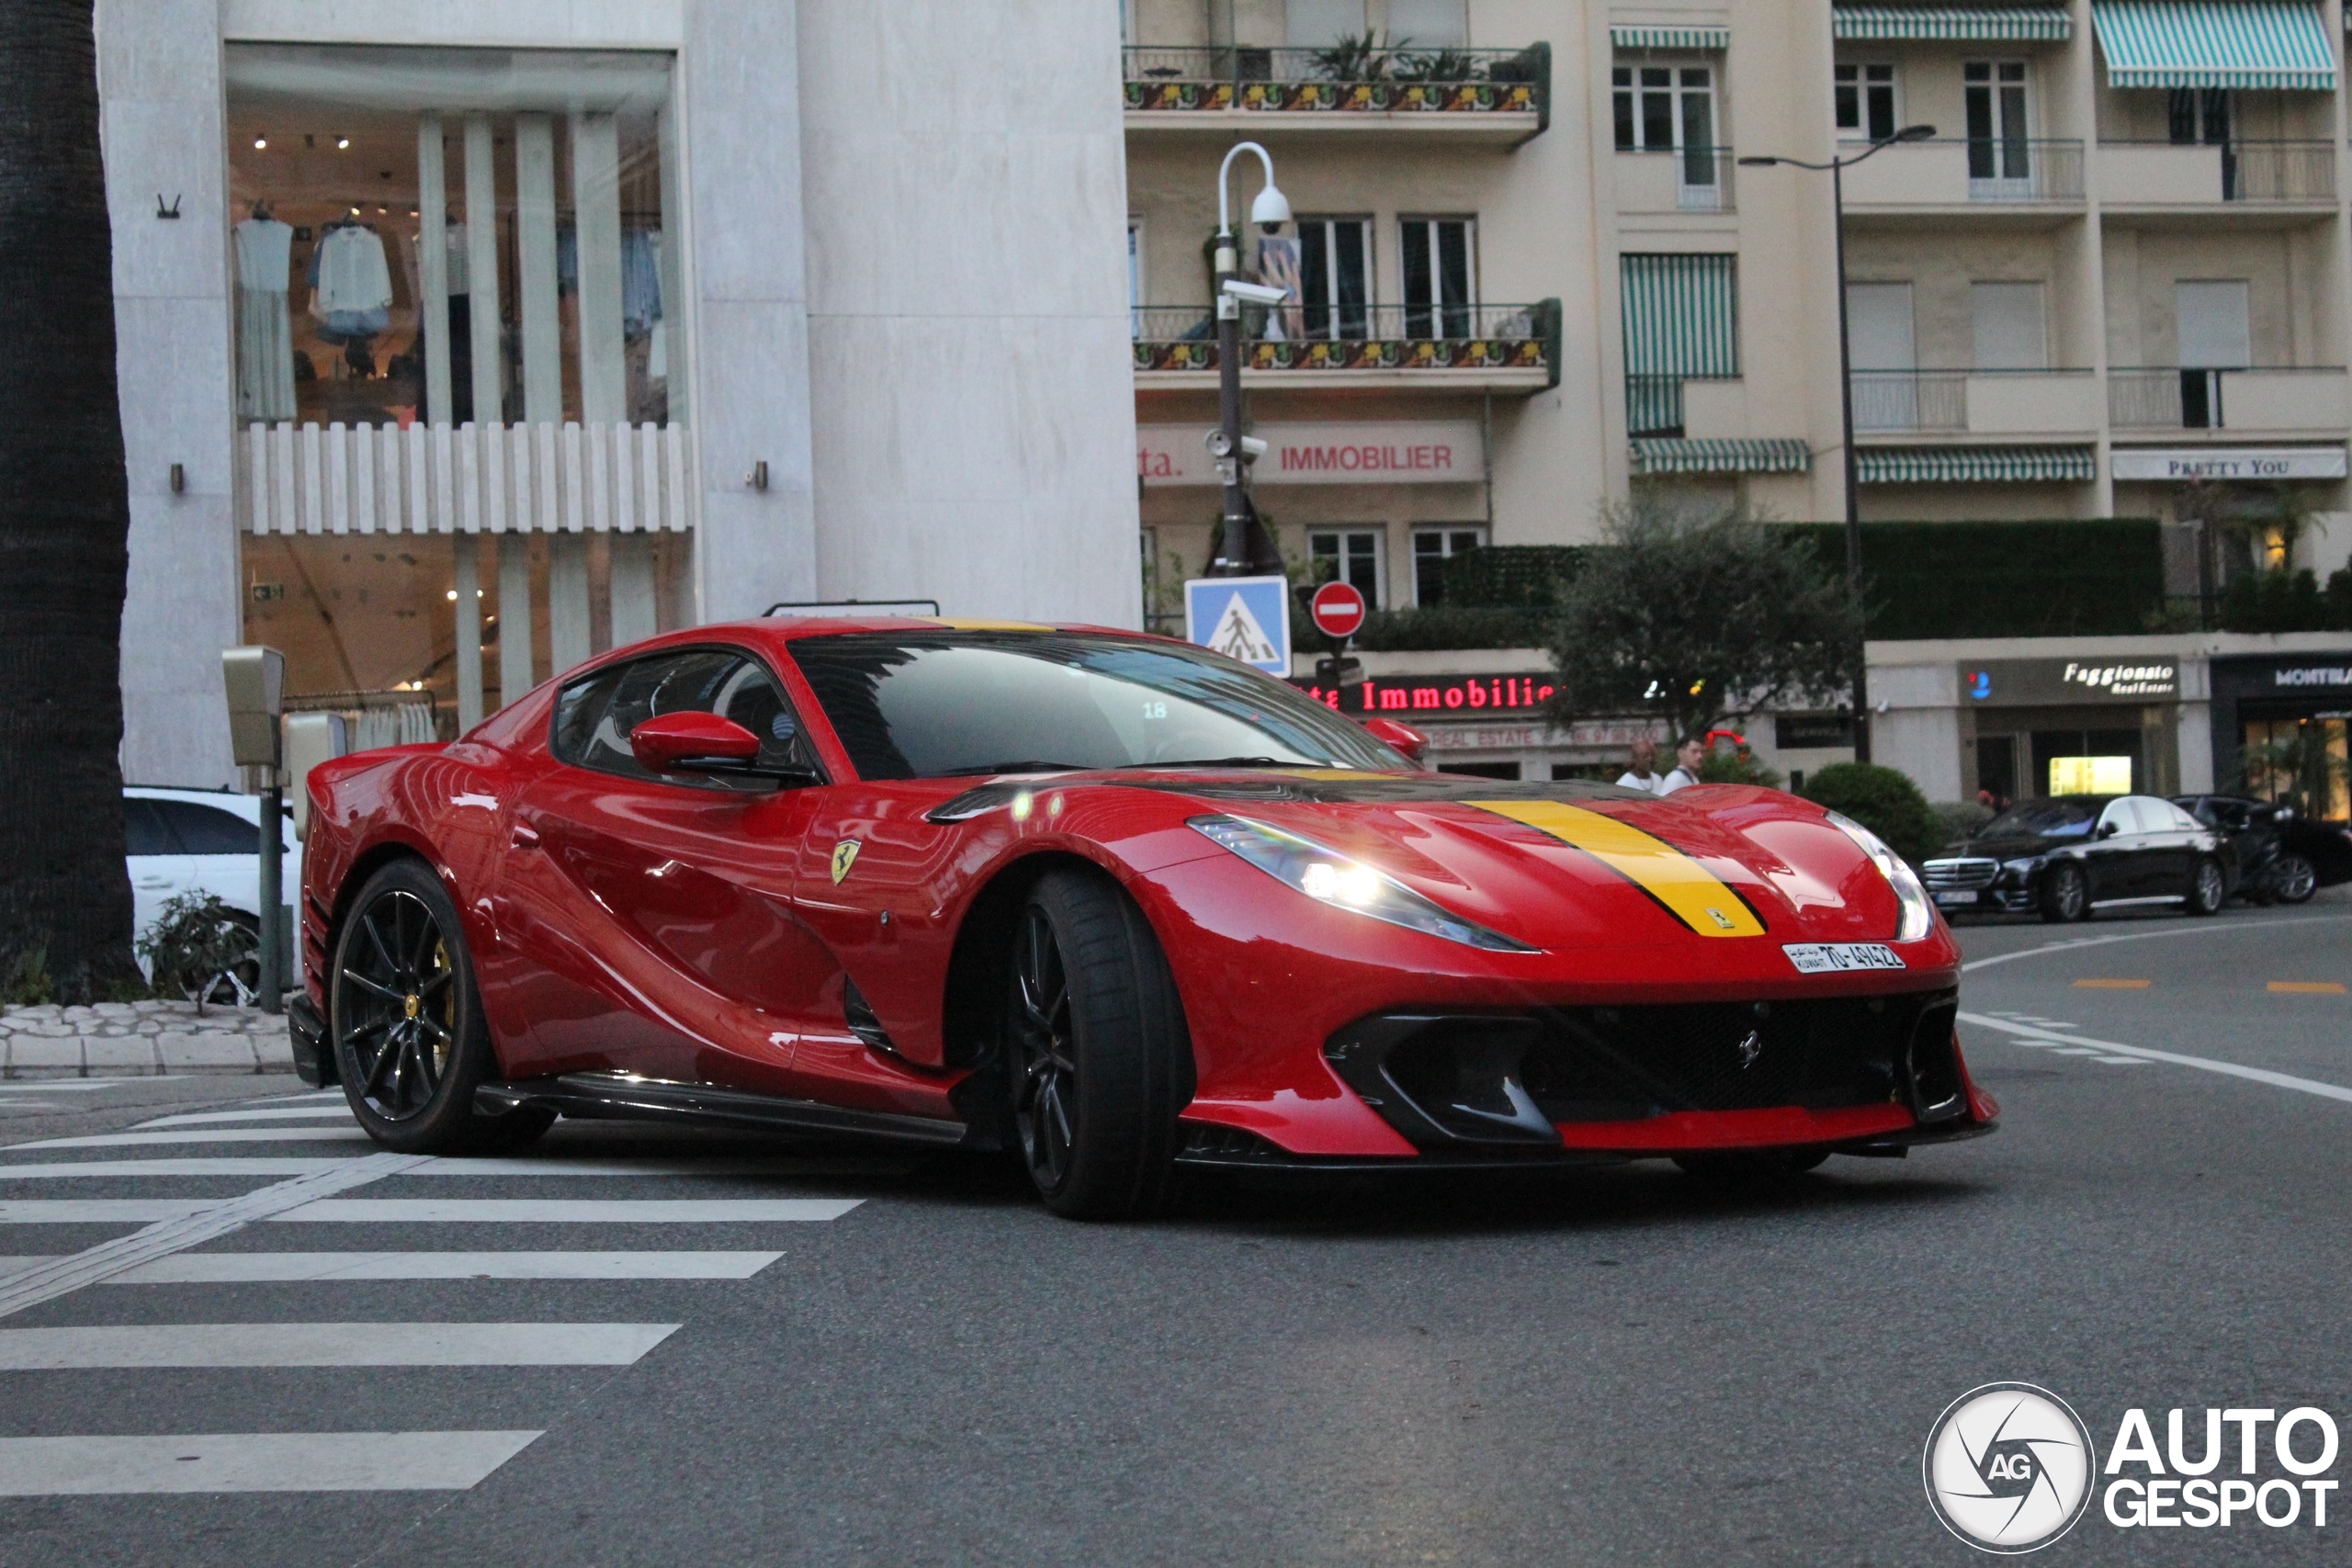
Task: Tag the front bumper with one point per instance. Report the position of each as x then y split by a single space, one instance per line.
314 1061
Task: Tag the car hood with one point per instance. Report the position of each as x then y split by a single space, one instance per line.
1566 863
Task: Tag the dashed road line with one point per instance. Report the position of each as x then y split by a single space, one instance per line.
2204 1064
569 1211
2308 987
349 1134
270 1113
343 1267
2112 985
331 1345
254 1462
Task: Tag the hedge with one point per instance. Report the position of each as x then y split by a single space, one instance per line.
1884 800
2074 577
1451 625
1511 574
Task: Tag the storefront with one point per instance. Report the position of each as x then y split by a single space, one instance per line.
2091 725
1489 723
2280 728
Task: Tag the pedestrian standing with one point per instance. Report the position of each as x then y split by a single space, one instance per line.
1641 772
1688 757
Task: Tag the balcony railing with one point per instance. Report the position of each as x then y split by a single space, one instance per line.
1910 400
1675 179
2159 174
2168 397
1653 402
1343 80
1951 171
1406 338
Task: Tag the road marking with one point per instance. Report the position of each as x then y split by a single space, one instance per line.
288 1165
2199 928
254 1462
2309 987
343 1134
61 1086
61 1276
298 1267
2074 1051
2205 1064
277 1113
2111 985
562 1210
331 1345
2123 1061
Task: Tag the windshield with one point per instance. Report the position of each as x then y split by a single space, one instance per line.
924 705
2045 818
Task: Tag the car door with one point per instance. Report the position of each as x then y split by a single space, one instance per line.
2175 841
663 905
2112 858
157 864
223 852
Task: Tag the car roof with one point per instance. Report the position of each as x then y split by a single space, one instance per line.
226 800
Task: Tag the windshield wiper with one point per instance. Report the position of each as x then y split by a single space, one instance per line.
1238 763
1031 765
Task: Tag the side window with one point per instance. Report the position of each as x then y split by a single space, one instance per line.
208 830
594 717
144 831
2181 821
2119 816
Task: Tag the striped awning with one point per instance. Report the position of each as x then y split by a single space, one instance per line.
1676 456
2257 44
1671 37
2046 24
1976 465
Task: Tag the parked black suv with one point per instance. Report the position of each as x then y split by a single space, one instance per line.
2283 856
2069 854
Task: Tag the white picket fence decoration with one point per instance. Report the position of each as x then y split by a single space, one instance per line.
469 479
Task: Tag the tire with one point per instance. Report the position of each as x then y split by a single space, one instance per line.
1098 1060
2293 879
238 985
2208 888
2065 895
1757 1164
406 1026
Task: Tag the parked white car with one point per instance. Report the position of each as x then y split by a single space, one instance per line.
202 841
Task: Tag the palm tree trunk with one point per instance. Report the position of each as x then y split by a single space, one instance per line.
64 518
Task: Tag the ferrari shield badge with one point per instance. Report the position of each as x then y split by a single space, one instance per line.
844 856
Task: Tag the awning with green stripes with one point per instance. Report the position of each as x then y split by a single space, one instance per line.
1680 315
1976 465
1676 456
2257 44
1671 37
2047 24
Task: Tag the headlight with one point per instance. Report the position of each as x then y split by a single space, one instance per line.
1918 911
1334 879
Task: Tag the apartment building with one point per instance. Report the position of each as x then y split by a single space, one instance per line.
1534 273
458 342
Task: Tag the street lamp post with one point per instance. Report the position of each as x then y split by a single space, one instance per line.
1836 169
1243 546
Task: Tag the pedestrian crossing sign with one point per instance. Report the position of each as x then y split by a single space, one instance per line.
1246 618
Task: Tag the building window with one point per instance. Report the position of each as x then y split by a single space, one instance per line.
1320 24
1441 277
1670 108
1997 145
1866 100
1431 546
1427 24
1348 555
1335 276
2199 115
453 235
1680 319
2007 326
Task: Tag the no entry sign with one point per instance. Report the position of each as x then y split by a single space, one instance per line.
1338 610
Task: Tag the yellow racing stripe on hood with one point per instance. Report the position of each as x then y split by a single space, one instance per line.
1691 893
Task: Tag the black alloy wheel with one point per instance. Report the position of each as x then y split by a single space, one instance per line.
2207 888
238 983
1096 1049
2293 879
407 1026
2066 894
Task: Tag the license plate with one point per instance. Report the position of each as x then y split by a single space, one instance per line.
1834 957
1949 899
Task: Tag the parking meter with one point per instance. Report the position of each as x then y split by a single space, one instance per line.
255 683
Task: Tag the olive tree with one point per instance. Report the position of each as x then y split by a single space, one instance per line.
1698 618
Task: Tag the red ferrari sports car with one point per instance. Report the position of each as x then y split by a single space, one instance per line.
1115 902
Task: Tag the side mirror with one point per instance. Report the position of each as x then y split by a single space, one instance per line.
705 743
2108 829
1403 739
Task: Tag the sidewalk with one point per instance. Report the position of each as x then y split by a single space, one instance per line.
140 1039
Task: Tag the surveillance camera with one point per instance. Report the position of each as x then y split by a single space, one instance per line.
1217 444
1252 448
1256 293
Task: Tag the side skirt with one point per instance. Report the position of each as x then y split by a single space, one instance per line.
618 1096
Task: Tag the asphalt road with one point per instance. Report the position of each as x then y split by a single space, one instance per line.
904 1362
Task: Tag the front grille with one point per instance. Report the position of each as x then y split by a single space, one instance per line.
1959 876
1509 1078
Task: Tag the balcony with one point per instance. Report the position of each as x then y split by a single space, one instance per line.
2272 401
1501 348
1689 179
2160 176
1963 174
1495 95
1977 402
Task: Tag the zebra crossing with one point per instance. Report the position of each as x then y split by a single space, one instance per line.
166 1240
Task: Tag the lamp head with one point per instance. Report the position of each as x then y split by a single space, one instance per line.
1271 210
1757 163
1914 134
